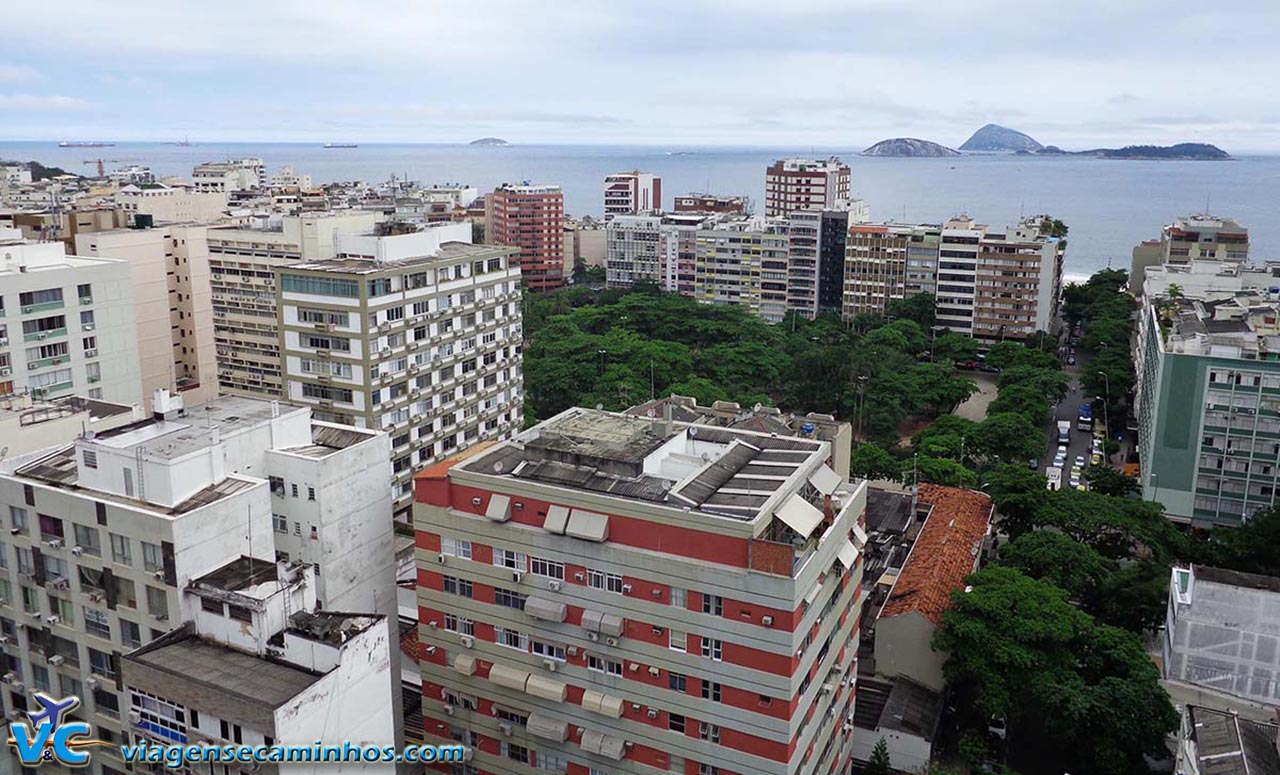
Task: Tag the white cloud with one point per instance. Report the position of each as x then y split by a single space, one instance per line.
41 102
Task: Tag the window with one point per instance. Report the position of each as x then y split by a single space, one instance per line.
513 639
455 586
677 682
602 665
548 650
455 547
710 690
707 769
678 640
515 717
89 541
311 493
100 664
460 625
675 722
239 613
280 522
548 568
157 603
713 648
18 519
515 752
319 286
306 315
338 343
713 604
90 458
709 732
126 593
47 296
26 565
293 490
505 558
160 717
51 528
120 552
152 559
610 582
84 292
676 763
679 598
97 623
130 635
552 762
506 597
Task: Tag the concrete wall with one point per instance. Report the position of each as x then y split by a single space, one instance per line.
902 649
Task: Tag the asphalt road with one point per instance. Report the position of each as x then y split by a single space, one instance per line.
1068 409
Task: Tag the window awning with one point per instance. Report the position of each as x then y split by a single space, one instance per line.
813 593
557 518
547 727
799 515
591 620
587 525
825 480
546 610
611 625
465 664
602 744
499 509
604 704
510 677
546 688
847 554
859 535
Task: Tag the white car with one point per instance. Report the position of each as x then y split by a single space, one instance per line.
1080 461
1062 450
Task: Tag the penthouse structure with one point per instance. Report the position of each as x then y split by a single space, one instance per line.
1200 237
416 334
711 203
106 534
530 219
804 184
67 323
632 193
242 289
610 593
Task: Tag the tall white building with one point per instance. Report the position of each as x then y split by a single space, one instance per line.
415 334
67 323
104 534
632 193
173 204
229 176
634 249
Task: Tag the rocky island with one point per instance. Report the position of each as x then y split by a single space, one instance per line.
994 138
491 142
909 146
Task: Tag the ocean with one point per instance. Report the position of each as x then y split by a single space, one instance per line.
1109 205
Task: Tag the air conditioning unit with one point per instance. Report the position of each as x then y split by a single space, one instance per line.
91 683
467 641
549 664
505 728
10 677
516 576
626 589
135 717
553 585
14 531
572 651
449 710
56 543
5 640
655 672
5 372
767 621
431 649
91 352
76 551
440 558
159 575
32 366
95 597
590 636
42 336
57 659
61 583
611 641
87 327
579 576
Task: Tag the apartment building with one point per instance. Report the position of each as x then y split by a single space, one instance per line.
67 324
1200 237
242 287
887 262
226 177
635 248
169 268
711 203
530 218
607 593
28 424
254 663
632 193
417 334
745 262
804 184
815 270
170 204
1208 403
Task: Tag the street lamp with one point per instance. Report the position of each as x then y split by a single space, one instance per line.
1106 413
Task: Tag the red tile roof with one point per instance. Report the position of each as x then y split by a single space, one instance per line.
943 554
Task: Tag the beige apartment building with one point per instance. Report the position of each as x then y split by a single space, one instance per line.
887 262
169 270
170 204
243 290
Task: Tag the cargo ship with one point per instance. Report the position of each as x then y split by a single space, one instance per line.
341 145
69 144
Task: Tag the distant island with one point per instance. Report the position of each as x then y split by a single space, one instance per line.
994 138
491 142
1178 152
909 146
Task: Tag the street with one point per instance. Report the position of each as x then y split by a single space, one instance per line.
1068 409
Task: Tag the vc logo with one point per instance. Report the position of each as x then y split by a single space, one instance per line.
49 738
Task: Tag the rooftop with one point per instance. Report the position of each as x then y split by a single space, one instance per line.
332 627
699 468
1229 745
945 552
448 251
243 575
190 429
1230 324
911 708
1235 578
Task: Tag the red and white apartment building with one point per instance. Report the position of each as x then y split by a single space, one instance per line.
607 594
529 218
632 193
791 185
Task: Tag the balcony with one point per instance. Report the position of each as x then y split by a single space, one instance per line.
42 335
48 306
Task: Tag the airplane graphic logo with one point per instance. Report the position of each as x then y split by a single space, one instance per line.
51 736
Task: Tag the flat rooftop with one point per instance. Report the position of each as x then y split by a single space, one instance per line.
719 471
332 627
448 251
190 431
1229 745
242 575
328 438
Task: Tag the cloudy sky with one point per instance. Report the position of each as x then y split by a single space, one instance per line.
732 72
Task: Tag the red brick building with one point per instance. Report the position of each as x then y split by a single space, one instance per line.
531 219
804 184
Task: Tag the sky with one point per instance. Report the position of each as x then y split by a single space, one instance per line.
1077 74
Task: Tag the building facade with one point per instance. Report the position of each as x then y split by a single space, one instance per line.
804 184
243 290
887 262
169 204
226 177
418 335
67 324
1199 237
632 193
634 250
531 219
620 594
711 203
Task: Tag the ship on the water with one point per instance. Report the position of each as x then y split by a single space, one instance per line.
341 145
70 144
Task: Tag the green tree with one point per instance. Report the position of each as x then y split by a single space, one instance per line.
945 436
1108 481
1254 547
941 471
1050 383
1080 696
951 347
920 308
1135 597
1118 528
879 763
1018 494
1059 560
1010 436
1021 399
870 461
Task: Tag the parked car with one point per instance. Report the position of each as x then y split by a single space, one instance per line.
1080 461
1095 459
1033 464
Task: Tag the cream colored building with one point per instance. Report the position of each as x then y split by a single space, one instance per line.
170 204
169 266
241 259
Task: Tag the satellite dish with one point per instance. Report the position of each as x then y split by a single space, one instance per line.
693 430
497 467
599 407
650 413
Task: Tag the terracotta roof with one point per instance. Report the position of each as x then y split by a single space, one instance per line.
943 554
441 469
409 645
